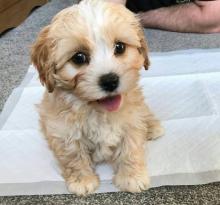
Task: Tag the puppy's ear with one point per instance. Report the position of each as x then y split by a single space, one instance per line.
42 58
143 49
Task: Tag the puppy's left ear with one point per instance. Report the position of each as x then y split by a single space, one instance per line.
143 49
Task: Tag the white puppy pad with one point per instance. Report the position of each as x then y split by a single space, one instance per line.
182 89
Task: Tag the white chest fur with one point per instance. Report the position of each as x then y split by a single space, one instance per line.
104 133
100 132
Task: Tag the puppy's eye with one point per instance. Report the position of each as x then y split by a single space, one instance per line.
119 48
80 58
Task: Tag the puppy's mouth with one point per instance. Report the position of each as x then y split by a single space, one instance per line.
110 103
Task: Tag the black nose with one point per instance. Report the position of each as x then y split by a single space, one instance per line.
109 82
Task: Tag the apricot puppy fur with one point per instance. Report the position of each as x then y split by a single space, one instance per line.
89 59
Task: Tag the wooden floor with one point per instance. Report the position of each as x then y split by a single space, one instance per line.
14 12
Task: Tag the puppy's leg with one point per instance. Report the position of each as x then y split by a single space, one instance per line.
155 128
76 165
131 173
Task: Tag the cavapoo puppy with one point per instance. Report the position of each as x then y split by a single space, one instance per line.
93 111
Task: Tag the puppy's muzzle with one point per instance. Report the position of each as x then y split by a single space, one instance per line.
109 82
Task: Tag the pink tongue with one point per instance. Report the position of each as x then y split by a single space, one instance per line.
111 103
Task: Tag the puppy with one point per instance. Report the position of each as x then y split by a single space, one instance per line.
89 59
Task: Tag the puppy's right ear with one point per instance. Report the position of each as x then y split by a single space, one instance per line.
43 58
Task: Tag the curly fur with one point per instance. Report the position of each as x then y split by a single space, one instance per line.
79 131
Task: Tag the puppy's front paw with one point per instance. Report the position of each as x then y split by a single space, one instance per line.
155 130
135 182
83 185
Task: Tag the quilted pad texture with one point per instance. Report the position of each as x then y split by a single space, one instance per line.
183 90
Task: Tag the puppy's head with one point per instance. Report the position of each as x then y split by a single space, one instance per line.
94 50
